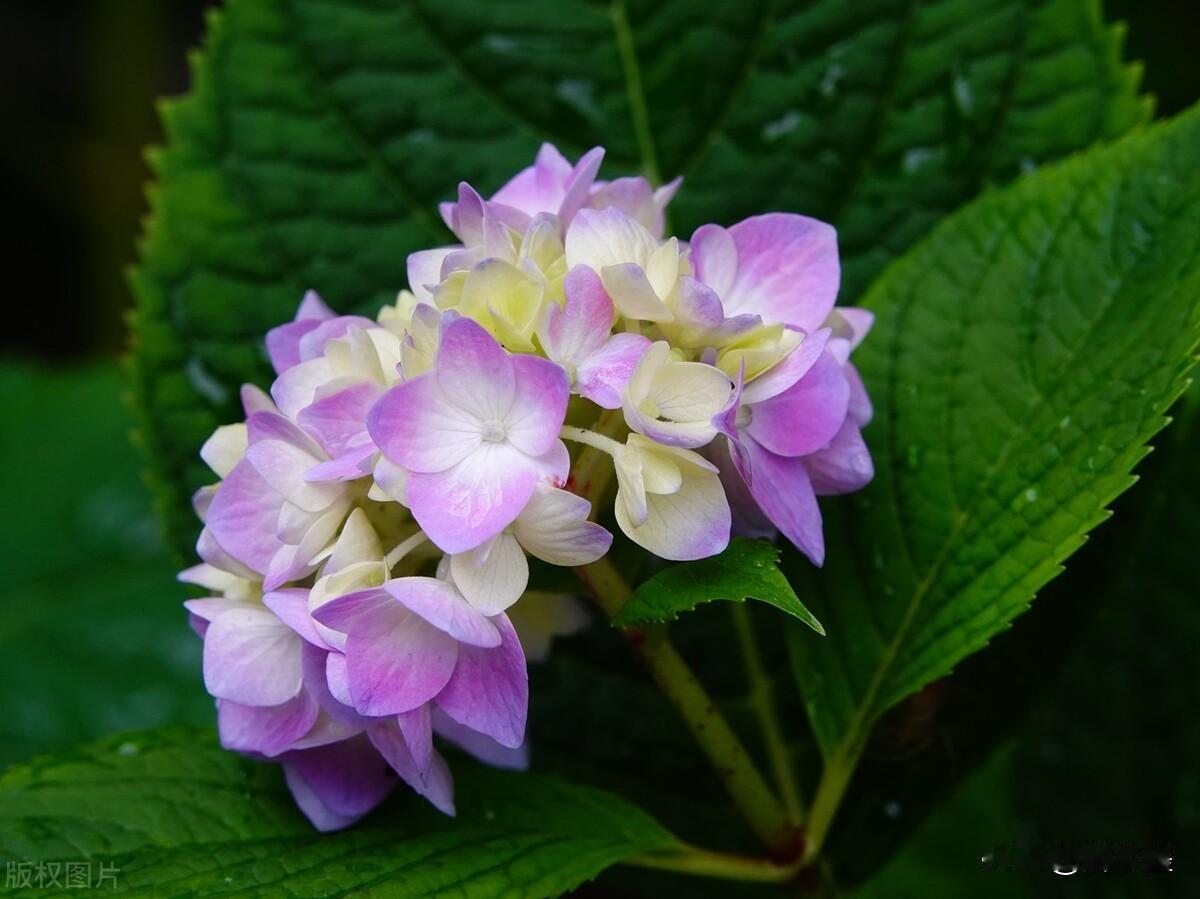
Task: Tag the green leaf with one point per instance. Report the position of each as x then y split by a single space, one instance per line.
1023 356
747 569
176 813
92 631
319 136
1124 704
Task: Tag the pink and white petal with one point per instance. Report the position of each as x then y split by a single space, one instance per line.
539 405
631 292
578 184
284 466
807 415
602 375
599 238
336 785
714 258
555 528
787 270
350 466
842 467
554 467
312 343
480 746
252 658
208 608
208 549
291 607
474 372
860 321
425 270
266 730
283 343
580 326
476 499
255 399
391 480
789 370
489 691
784 492
339 421
297 387
241 518
440 604
493 575
271 425
416 426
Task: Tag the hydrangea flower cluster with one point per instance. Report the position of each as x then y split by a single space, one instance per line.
366 549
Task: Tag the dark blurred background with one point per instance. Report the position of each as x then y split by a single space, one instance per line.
78 84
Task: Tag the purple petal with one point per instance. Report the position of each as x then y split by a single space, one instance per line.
791 369
578 328
252 658
474 500
416 426
539 405
440 604
336 785
842 467
784 492
489 691
433 781
805 417
787 270
395 660
602 375
267 730
714 258
474 372
479 745
339 421
291 607
242 517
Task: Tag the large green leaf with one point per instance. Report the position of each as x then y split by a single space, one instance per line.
176 814
1112 751
319 136
747 569
92 631
1023 356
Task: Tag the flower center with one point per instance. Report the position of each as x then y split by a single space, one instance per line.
744 416
493 431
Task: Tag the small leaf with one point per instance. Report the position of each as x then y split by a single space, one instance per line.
747 569
174 813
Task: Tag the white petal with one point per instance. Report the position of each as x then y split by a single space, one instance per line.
493 575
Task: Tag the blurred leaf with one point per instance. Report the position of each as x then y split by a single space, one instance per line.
1014 394
747 569
92 637
319 137
174 812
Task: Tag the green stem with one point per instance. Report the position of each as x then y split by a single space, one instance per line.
832 787
633 88
763 699
742 780
706 863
